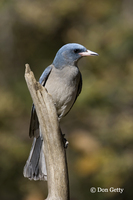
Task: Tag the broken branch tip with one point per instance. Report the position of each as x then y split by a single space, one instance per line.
27 68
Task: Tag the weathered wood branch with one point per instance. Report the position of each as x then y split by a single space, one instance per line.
54 151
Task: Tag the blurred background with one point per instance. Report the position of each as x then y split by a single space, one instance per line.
100 125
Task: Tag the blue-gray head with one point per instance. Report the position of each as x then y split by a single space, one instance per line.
69 54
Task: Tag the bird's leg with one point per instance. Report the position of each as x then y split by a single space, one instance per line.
64 140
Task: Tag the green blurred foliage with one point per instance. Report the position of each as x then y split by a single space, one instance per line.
100 125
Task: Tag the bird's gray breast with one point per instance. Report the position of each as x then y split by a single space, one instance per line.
63 85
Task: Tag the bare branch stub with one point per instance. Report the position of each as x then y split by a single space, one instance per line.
55 155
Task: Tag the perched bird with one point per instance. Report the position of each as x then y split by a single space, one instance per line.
63 81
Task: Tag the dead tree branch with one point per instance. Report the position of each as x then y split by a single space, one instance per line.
54 151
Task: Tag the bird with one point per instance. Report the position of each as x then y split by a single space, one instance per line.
63 81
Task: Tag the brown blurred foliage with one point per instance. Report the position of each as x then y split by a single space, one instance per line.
100 125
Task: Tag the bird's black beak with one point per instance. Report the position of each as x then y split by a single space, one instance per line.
88 53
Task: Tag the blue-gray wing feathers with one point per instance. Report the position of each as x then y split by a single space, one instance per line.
34 124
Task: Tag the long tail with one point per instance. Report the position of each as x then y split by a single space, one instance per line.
35 167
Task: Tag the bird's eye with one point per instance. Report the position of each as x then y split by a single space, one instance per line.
76 50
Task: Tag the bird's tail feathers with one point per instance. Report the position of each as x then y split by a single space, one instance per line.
35 167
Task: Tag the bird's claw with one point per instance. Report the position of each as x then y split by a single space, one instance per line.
65 141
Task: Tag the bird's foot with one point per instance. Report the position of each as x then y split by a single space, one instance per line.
65 141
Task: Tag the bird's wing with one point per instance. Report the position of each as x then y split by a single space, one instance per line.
79 87
34 124
45 75
78 92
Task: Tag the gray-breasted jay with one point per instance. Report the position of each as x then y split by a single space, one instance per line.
63 81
